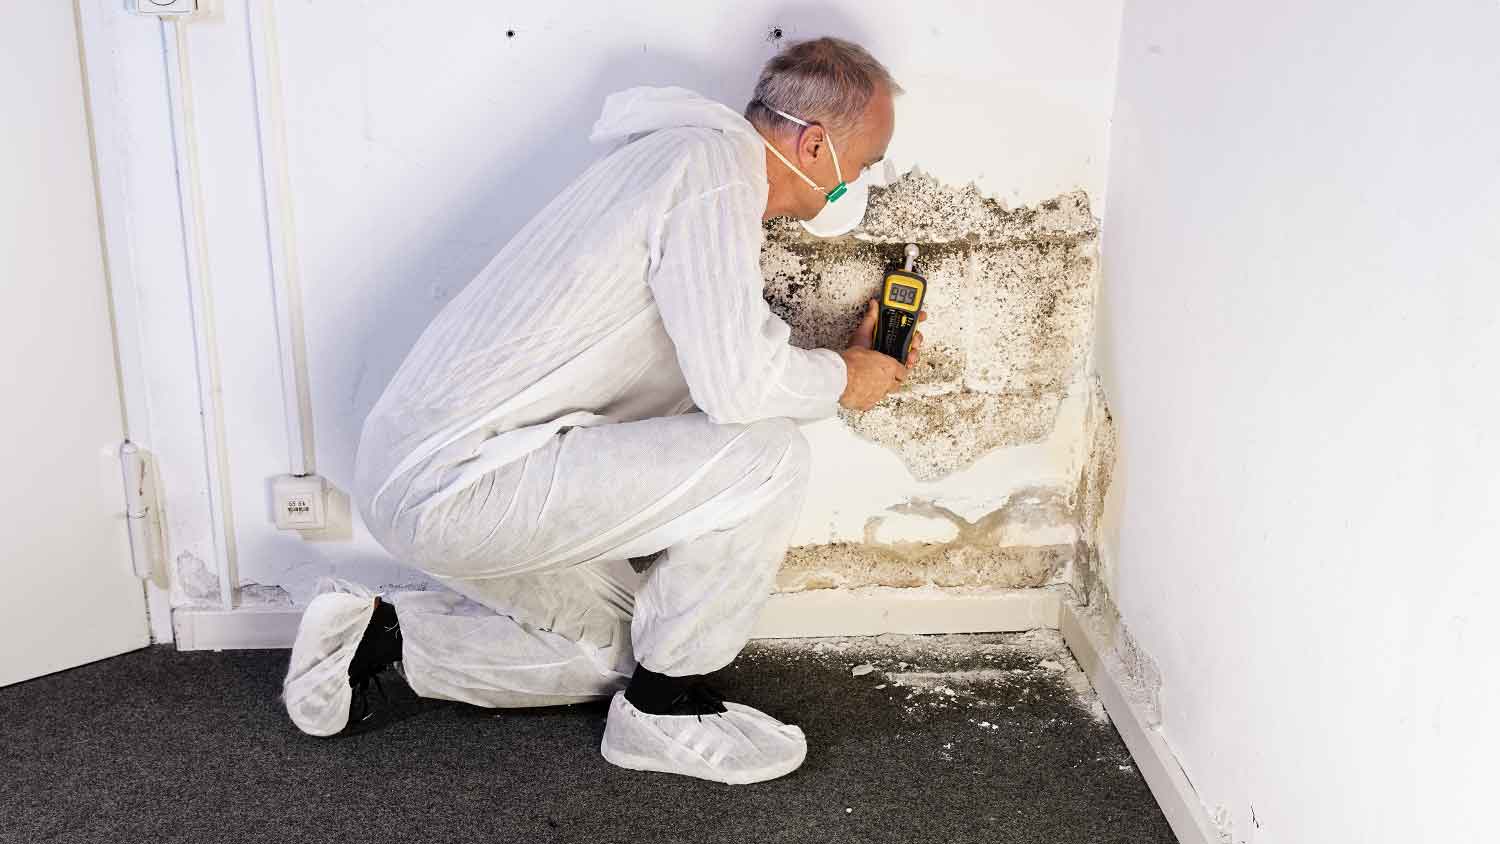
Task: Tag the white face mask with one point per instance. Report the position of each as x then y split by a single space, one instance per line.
841 217
837 217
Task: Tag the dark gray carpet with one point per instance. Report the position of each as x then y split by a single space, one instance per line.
160 746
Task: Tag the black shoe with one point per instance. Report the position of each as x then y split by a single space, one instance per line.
379 649
659 694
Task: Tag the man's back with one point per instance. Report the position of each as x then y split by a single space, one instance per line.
561 327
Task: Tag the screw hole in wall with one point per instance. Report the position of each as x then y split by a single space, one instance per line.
774 34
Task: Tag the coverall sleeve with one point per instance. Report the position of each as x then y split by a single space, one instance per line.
733 350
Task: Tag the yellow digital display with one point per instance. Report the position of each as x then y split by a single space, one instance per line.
902 292
901 298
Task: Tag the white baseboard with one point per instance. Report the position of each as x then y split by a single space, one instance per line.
872 611
1155 760
199 629
821 612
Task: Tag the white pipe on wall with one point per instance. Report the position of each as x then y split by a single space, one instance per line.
281 240
210 385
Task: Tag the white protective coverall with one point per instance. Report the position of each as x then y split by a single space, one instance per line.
610 386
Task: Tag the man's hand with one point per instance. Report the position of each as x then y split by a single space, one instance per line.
872 375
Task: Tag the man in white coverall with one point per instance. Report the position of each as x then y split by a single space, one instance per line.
613 386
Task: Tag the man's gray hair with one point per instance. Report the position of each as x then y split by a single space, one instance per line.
826 80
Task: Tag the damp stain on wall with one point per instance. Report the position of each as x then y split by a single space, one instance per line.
1027 542
1089 580
1092 582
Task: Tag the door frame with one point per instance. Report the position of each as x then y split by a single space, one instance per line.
144 176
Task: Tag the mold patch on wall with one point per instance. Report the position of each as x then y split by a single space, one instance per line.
1010 301
1027 542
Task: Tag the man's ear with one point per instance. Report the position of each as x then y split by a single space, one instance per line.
813 138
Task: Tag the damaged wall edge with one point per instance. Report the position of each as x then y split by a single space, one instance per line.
1126 677
1089 637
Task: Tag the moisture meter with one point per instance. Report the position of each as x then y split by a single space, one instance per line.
900 301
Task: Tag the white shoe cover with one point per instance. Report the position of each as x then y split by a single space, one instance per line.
742 745
317 688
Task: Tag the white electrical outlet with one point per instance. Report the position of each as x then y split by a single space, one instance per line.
163 8
299 502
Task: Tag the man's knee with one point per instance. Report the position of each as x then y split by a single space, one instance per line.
782 447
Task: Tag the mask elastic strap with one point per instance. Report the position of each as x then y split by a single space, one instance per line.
838 171
790 166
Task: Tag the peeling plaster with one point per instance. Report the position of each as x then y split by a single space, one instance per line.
1138 673
918 207
259 595
197 582
998 550
847 565
1010 300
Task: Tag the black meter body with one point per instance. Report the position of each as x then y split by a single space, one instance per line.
900 301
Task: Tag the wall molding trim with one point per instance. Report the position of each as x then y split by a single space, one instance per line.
871 611
1154 758
822 612
215 629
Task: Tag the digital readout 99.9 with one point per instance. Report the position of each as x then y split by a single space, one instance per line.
903 294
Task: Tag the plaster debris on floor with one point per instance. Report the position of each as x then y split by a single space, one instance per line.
981 676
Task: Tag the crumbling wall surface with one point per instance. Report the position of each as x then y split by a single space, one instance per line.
1007 343
1010 296
1004 548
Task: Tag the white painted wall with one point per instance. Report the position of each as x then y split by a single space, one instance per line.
402 150
1298 339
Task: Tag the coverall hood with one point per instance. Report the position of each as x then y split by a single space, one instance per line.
636 111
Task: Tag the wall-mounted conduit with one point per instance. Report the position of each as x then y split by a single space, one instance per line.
286 275
210 384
